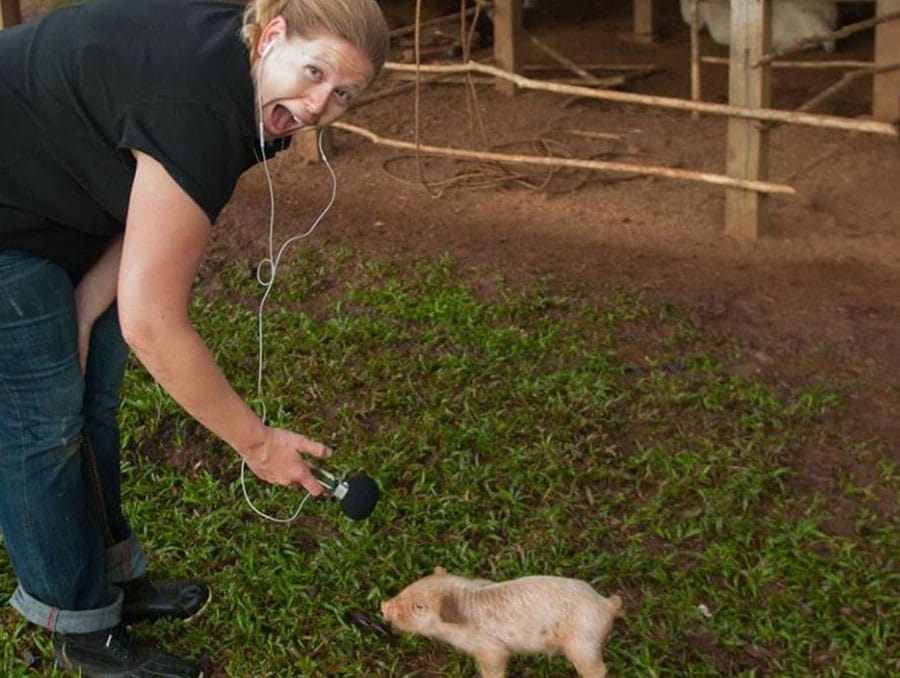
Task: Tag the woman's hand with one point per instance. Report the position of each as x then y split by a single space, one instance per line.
94 294
277 459
85 326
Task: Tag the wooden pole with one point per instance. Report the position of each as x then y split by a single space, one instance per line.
695 54
812 65
648 170
538 68
886 85
845 80
306 143
507 37
10 13
586 76
447 18
644 21
747 212
767 114
610 81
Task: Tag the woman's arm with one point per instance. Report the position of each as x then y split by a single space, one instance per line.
95 292
165 238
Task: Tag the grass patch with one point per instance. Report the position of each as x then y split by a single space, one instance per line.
532 433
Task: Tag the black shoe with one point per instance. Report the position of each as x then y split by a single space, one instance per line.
112 653
146 601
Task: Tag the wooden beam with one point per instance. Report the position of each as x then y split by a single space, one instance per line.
746 211
886 86
764 114
847 79
10 13
586 76
644 21
507 40
807 65
550 161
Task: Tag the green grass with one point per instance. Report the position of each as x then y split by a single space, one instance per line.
528 433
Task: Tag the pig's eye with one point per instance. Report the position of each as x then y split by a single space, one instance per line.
419 607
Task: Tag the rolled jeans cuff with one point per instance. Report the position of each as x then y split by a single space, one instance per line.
124 561
67 621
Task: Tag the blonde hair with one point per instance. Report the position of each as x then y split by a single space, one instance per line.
359 22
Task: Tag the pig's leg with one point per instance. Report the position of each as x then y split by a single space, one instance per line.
587 660
492 664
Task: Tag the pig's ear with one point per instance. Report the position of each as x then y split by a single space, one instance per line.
448 609
440 571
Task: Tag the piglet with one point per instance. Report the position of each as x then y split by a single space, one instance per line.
493 621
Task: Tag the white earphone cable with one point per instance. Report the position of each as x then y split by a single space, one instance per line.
271 262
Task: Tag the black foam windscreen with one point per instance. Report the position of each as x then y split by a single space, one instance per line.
361 497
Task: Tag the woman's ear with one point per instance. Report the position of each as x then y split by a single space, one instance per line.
273 31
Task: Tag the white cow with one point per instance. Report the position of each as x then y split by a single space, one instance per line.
792 20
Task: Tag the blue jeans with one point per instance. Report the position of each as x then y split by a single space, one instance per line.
60 508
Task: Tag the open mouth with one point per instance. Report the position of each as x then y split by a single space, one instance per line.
282 121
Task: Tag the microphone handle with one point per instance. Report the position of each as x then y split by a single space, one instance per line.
330 482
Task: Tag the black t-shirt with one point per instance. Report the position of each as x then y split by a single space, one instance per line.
83 85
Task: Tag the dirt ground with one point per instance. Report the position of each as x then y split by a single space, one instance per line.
815 298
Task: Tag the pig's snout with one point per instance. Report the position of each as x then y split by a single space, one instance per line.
388 610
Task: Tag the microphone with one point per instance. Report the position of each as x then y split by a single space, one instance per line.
358 494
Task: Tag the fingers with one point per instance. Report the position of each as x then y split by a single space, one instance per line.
313 448
308 481
291 472
284 464
305 476
83 346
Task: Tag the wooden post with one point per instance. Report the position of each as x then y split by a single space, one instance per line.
644 21
307 143
695 54
10 13
507 38
886 87
746 211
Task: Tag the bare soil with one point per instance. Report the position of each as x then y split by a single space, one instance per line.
816 298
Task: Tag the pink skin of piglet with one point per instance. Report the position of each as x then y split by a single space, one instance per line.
492 621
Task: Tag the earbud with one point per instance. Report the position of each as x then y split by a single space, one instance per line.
267 49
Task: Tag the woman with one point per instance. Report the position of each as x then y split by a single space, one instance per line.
125 126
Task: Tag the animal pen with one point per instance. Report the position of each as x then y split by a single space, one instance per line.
750 61
750 117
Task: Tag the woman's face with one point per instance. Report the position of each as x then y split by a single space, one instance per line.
304 82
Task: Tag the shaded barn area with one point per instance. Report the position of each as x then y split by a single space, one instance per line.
756 36
814 298
811 300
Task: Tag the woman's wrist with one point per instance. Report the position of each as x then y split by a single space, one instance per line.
253 447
